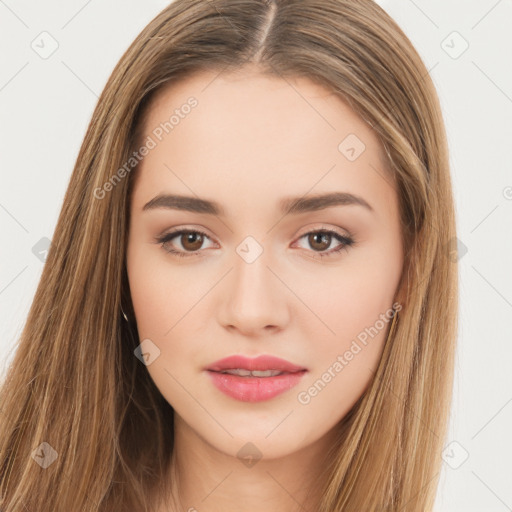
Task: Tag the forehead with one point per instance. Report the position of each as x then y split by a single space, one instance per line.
249 102
256 136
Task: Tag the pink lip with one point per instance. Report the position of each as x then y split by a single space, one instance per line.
256 363
255 389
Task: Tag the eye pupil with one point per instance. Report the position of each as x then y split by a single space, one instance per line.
191 238
322 238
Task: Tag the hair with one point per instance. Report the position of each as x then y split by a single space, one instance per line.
74 382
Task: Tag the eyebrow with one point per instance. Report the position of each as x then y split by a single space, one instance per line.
288 205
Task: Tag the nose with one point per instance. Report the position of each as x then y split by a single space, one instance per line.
254 297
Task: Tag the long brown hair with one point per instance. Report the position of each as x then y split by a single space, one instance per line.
83 427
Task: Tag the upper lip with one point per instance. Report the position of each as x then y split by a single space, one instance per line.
260 363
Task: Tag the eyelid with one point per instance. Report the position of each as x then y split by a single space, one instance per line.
184 227
174 233
313 228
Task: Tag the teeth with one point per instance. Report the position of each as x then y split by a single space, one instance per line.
266 373
240 372
255 373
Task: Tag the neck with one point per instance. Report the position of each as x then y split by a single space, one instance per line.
207 479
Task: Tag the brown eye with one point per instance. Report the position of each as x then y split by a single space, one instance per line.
319 241
192 241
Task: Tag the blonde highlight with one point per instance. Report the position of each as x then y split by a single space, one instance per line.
74 382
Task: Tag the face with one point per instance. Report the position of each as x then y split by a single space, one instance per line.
265 267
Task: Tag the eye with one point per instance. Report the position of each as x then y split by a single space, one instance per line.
322 239
190 243
192 240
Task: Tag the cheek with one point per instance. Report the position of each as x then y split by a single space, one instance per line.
345 362
161 298
161 292
346 301
355 310
167 301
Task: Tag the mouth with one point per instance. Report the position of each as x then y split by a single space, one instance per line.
254 380
256 365
242 372
251 388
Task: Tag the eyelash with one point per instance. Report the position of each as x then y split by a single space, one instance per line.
346 242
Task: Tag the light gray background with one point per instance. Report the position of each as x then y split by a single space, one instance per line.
46 104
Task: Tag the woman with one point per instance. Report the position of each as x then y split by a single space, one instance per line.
249 300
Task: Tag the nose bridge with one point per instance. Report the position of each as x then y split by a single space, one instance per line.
252 275
253 295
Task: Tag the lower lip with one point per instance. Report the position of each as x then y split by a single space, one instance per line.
255 389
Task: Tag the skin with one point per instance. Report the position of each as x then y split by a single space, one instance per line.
249 142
